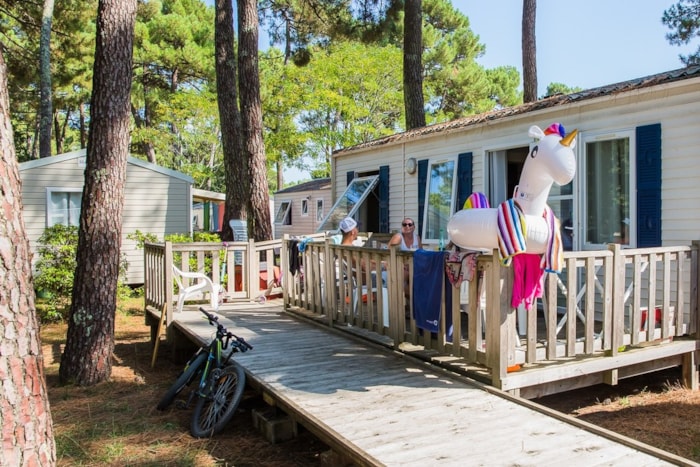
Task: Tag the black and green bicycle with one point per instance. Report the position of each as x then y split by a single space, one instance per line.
221 381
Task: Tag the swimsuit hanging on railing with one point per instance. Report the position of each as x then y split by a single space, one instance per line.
460 266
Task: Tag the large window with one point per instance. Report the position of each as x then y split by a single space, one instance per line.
439 204
63 206
608 205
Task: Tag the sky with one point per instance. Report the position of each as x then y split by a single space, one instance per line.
587 43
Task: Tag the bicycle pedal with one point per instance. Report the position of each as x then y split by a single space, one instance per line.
180 404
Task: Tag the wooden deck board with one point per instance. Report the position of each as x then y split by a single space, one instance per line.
380 408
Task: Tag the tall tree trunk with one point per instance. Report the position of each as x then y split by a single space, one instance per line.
59 129
235 164
259 222
46 119
529 51
413 65
87 358
280 174
25 415
83 127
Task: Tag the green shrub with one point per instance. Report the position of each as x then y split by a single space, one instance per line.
55 271
55 268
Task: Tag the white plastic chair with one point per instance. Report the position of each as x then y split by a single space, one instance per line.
202 285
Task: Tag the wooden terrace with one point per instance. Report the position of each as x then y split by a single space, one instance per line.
604 330
374 406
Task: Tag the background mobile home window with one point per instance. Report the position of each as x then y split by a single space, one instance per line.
63 206
608 188
319 210
304 207
439 204
284 213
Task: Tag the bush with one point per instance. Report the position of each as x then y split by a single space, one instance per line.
55 268
55 271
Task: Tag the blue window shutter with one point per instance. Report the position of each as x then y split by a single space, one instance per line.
464 178
648 185
383 188
422 179
349 177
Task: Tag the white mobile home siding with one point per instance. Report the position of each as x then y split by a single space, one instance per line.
673 105
156 200
302 224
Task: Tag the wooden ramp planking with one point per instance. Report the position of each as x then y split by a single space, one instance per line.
380 408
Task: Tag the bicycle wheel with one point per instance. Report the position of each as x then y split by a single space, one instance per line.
214 410
193 367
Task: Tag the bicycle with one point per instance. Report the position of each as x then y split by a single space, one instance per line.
220 386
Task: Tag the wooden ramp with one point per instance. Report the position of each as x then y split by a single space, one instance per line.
380 407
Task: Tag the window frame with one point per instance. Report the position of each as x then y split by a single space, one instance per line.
305 207
283 215
319 209
597 137
50 191
432 162
340 208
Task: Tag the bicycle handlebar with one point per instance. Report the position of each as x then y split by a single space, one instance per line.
221 332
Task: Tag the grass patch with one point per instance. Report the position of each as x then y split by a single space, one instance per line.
115 423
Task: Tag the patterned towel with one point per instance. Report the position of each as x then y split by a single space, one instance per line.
512 231
552 260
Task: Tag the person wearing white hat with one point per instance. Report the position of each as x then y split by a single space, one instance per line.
348 227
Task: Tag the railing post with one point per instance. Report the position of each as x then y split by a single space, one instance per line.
284 268
253 264
500 348
694 310
618 293
168 280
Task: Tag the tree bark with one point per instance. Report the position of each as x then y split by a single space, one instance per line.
87 358
259 223
46 119
25 415
235 164
529 51
413 65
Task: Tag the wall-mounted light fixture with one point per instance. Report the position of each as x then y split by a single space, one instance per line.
411 165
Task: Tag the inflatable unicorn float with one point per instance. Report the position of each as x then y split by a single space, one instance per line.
524 223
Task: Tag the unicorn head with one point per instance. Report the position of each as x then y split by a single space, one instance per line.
551 160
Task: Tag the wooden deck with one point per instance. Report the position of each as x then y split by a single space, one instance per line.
377 406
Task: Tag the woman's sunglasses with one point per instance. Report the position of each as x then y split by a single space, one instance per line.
407 224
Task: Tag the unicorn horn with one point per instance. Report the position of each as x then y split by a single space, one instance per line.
566 141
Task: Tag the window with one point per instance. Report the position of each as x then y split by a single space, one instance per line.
304 207
439 204
608 179
319 210
63 206
349 203
561 200
284 213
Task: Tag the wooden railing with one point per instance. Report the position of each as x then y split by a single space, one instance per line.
244 269
602 303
